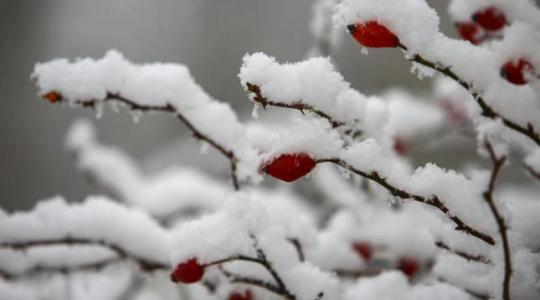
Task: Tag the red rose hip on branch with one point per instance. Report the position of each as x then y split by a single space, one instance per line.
363 249
289 167
245 295
188 272
470 32
373 35
491 19
409 266
52 96
515 71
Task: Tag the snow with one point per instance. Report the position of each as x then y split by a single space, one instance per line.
96 219
158 84
378 288
413 21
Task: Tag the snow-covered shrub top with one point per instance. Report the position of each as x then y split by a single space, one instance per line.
149 86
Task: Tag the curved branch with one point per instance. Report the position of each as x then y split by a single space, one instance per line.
469 257
487 111
498 163
259 98
93 266
143 263
535 174
134 106
234 278
432 201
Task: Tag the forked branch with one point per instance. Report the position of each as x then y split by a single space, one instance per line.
487 111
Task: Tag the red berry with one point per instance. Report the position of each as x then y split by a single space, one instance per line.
373 35
491 19
515 72
409 266
364 249
52 96
246 295
400 146
290 167
188 272
470 32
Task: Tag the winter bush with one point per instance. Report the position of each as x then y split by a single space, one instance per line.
371 226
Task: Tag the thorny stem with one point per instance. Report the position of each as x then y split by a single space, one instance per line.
463 254
134 106
487 111
498 163
259 98
143 263
433 200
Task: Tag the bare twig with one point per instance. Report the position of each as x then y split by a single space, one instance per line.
535 174
134 106
498 163
463 254
234 278
432 201
298 247
487 111
475 294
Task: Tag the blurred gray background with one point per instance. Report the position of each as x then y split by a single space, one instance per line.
209 36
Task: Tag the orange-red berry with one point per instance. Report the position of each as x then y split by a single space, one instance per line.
289 167
373 35
189 271
363 249
52 96
491 19
514 71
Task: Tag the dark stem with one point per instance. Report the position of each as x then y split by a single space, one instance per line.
498 163
298 247
259 98
234 278
487 111
463 254
475 294
535 174
144 264
433 200
134 106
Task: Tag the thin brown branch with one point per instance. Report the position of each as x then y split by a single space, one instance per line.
300 106
168 108
268 265
143 263
487 111
234 278
39 269
358 274
469 257
432 201
535 174
298 247
475 294
498 163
